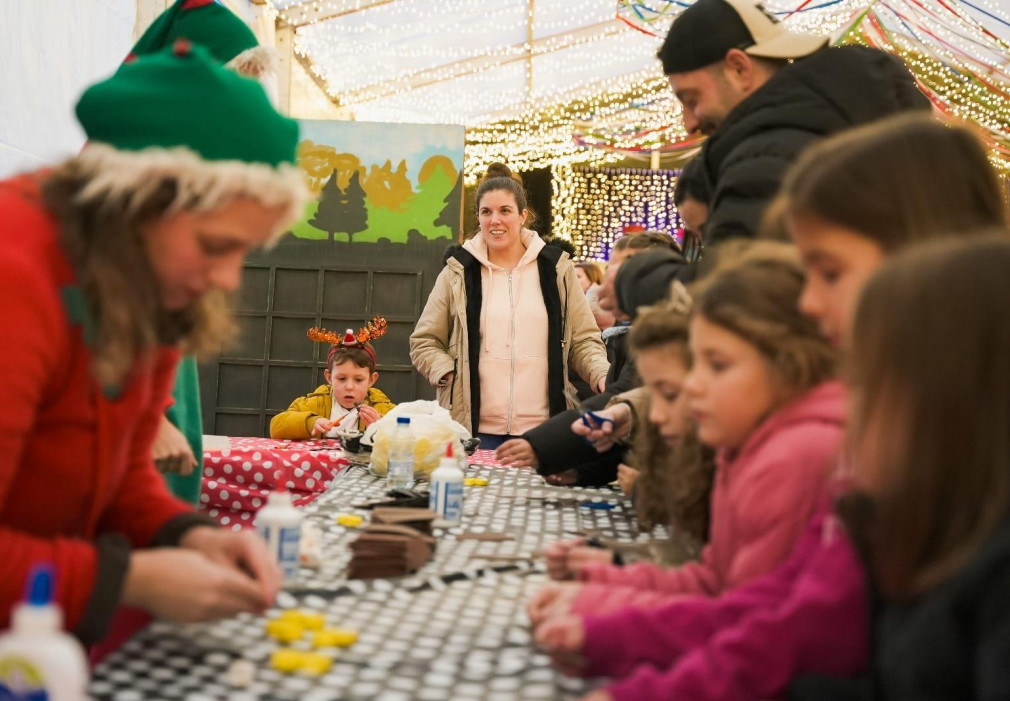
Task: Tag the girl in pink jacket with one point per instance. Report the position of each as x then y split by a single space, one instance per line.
810 615
760 392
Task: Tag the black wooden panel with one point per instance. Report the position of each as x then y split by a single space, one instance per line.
288 340
396 295
287 383
345 292
239 386
396 383
393 348
252 332
228 424
255 289
295 290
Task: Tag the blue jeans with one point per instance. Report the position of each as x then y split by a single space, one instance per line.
490 441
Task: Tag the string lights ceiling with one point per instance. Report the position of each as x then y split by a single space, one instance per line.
554 82
464 61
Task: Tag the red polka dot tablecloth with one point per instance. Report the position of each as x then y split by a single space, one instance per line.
237 480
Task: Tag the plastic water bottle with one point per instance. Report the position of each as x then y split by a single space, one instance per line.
400 474
445 497
37 659
279 523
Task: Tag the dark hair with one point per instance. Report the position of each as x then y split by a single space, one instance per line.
356 354
691 183
642 240
929 371
755 294
500 177
564 244
675 485
903 179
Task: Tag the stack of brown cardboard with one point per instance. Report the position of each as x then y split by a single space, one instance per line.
396 543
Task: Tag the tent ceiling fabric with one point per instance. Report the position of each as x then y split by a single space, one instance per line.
464 61
552 82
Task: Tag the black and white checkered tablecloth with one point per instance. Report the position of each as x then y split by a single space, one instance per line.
457 629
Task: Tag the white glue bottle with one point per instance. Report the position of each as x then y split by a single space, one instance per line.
279 523
445 496
37 659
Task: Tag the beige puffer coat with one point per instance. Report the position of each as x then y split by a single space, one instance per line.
440 343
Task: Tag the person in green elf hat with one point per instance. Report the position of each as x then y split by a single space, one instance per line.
178 445
211 25
112 264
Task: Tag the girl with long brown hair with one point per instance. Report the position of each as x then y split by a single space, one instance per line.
930 439
762 395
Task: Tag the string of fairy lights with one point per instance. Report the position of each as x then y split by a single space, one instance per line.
546 101
950 46
593 207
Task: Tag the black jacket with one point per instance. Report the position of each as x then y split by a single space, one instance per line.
642 280
747 156
952 644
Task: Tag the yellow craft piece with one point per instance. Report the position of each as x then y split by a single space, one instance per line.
285 629
306 619
313 663
287 660
334 637
475 481
350 520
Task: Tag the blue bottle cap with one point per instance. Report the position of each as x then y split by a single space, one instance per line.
39 591
402 420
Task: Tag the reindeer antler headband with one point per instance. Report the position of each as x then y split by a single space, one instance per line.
376 328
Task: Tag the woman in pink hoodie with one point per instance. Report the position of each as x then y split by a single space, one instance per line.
761 393
810 615
504 321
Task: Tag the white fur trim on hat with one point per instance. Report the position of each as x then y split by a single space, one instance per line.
255 62
202 184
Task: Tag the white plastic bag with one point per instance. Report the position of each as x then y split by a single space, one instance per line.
433 428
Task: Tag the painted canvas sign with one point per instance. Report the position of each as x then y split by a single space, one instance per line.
376 182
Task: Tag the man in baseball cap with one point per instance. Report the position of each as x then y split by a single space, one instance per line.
761 93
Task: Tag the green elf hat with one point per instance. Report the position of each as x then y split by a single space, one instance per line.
212 26
180 115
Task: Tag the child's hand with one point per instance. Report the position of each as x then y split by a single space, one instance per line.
626 477
584 555
553 600
517 452
598 695
563 638
604 435
368 414
320 426
557 557
171 450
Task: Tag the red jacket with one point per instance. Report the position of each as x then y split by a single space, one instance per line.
75 464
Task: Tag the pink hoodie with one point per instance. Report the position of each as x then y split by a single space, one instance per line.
513 341
808 616
763 498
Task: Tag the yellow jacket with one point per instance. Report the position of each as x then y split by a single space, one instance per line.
296 422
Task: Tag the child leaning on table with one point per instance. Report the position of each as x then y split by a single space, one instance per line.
349 401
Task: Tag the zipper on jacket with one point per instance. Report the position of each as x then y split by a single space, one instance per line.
452 383
511 346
